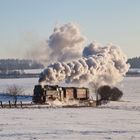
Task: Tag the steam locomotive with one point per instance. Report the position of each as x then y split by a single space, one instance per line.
43 94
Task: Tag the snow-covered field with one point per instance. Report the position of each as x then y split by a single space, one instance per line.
27 84
33 70
116 120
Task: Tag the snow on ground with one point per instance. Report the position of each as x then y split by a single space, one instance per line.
70 124
115 121
26 83
33 71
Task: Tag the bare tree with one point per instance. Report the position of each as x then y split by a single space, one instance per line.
14 91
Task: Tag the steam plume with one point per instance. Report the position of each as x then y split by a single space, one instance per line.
66 43
98 66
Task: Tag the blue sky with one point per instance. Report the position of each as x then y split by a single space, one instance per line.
105 21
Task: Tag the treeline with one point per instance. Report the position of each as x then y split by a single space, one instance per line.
19 64
134 62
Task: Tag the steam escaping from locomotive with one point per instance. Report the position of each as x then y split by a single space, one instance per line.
98 66
66 43
94 65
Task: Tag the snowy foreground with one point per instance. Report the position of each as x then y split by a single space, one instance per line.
116 120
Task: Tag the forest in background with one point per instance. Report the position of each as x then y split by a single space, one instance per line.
22 64
19 64
134 62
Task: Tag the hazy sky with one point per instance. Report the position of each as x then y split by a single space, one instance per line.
23 23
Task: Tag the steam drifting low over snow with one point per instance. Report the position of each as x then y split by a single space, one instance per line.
97 65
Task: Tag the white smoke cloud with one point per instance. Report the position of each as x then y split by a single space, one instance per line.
99 65
66 43
39 52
